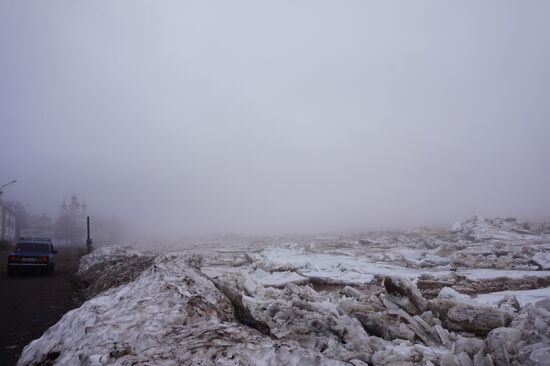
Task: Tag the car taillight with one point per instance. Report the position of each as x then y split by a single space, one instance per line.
12 259
43 259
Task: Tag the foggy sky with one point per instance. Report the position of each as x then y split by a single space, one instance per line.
250 116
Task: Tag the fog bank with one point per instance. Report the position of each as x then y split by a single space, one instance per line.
186 117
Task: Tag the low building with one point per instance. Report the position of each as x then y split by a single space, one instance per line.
7 225
36 232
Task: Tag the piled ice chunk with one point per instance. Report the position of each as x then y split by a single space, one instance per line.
475 295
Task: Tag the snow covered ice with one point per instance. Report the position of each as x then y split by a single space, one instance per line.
477 293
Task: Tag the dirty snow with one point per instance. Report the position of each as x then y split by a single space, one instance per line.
462 295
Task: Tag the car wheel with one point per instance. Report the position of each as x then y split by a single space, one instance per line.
11 272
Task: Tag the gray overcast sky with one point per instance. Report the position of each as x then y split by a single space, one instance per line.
277 116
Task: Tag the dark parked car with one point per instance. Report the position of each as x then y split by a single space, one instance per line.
32 253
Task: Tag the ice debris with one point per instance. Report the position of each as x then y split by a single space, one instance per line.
474 296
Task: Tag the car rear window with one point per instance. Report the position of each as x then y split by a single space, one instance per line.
33 247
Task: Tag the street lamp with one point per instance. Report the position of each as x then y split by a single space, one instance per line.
5 185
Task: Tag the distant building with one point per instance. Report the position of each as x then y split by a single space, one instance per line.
35 232
7 225
28 232
38 226
70 227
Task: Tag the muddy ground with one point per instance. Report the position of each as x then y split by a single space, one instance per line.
30 302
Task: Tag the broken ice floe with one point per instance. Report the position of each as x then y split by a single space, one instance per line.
169 315
424 297
542 260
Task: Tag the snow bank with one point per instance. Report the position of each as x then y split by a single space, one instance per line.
170 315
106 254
109 267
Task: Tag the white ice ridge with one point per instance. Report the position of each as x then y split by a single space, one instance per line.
334 267
170 315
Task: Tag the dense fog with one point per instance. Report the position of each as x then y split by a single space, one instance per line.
248 117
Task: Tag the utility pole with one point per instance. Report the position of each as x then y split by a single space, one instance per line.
89 239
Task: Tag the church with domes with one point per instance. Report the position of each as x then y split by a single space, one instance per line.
70 228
